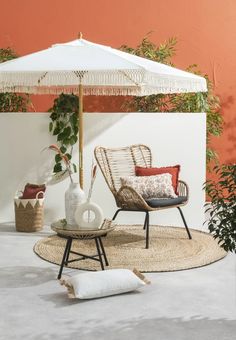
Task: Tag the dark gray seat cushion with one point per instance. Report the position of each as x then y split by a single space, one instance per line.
165 202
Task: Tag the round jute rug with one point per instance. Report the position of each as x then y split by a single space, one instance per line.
169 250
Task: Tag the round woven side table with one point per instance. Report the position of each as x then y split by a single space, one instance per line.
72 232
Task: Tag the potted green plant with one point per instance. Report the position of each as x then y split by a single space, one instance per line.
222 208
64 126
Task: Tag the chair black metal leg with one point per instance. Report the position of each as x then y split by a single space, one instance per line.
103 251
185 224
147 229
145 226
99 253
64 257
116 213
145 222
68 251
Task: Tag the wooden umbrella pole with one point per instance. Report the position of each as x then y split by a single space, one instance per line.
81 137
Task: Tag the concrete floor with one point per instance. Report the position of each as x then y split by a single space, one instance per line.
192 304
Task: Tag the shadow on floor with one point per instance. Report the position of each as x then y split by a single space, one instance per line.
152 329
62 300
9 229
25 276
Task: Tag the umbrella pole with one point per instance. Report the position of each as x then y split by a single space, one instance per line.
81 136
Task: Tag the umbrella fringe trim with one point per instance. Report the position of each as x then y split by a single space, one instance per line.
101 91
128 82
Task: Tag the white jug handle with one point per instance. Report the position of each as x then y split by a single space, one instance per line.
37 195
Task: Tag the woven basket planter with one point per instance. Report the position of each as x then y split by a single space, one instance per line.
29 214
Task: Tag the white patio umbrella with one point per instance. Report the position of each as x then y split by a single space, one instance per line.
83 67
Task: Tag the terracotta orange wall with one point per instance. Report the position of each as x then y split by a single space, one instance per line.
205 29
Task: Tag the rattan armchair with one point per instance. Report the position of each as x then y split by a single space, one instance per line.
119 162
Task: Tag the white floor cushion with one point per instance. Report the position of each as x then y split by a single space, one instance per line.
91 285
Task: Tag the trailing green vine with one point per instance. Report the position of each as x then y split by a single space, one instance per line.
64 125
186 102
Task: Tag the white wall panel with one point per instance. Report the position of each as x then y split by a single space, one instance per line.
175 138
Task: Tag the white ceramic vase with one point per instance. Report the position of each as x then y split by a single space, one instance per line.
74 196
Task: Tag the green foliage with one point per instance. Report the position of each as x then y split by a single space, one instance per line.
11 102
7 54
64 125
186 102
147 49
222 221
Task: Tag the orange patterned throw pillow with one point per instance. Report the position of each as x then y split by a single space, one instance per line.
159 186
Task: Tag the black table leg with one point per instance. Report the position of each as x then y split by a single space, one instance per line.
100 256
103 251
68 243
68 251
99 252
